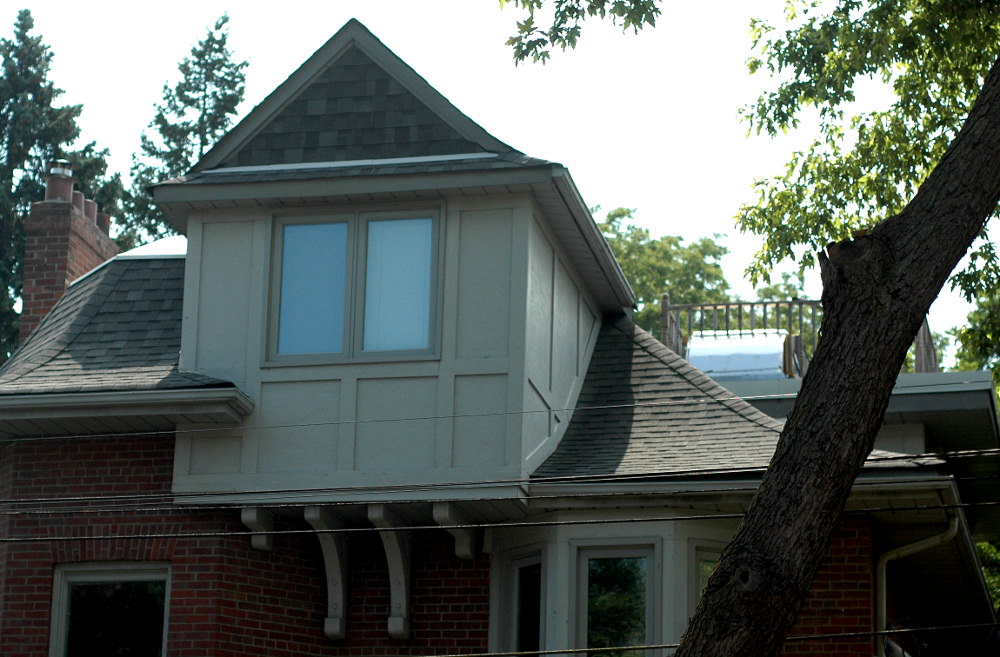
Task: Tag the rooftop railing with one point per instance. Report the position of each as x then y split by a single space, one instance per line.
800 319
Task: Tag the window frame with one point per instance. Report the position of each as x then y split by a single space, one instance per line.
584 552
357 221
65 575
697 550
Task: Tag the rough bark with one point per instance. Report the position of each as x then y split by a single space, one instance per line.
877 289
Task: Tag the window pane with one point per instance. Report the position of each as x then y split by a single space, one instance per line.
313 286
616 604
529 607
116 618
706 565
398 285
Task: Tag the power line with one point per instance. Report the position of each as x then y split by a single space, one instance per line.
574 480
451 416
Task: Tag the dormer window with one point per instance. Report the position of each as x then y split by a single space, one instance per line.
354 285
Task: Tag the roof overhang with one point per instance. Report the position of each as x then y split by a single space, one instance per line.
550 185
90 413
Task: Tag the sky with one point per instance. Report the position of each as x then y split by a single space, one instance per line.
647 121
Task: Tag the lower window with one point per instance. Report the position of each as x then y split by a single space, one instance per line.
616 600
109 609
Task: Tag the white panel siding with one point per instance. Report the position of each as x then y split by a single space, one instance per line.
481 422
299 426
484 294
396 429
224 310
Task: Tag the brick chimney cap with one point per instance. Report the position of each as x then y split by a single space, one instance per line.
61 168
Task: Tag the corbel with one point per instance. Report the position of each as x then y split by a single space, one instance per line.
259 520
396 543
448 516
334 548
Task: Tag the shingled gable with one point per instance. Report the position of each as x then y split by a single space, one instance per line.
645 411
105 359
356 124
352 100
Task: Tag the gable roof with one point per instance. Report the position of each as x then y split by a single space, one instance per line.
356 124
353 99
645 411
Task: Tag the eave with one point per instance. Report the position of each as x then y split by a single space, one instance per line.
90 413
550 185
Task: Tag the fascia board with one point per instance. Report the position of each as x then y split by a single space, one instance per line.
580 212
739 489
318 188
230 404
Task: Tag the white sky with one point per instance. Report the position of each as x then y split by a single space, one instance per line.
646 121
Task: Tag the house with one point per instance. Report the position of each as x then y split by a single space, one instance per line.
388 399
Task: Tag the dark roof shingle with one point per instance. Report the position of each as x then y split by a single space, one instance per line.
116 329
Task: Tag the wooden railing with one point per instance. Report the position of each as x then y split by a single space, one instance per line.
800 318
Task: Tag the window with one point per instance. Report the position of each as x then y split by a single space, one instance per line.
109 609
355 284
528 607
615 600
703 558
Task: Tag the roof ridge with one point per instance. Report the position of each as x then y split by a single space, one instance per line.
668 357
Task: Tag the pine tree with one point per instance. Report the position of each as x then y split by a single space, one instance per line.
33 132
194 113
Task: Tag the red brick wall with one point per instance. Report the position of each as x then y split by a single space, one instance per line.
226 599
841 599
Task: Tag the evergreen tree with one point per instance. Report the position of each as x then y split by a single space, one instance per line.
193 115
33 132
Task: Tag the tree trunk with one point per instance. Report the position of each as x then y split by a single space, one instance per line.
876 291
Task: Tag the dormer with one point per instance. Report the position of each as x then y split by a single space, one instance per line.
407 300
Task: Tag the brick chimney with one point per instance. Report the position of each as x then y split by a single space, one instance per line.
65 237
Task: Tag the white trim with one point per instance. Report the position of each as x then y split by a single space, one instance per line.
233 403
309 166
97 573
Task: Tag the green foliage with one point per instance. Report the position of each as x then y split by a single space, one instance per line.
689 273
616 604
193 115
34 130
864 165
535 41
979 342
989 558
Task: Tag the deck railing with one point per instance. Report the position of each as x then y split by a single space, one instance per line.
799 318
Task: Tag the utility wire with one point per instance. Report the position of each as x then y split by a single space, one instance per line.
356 421
254 497
508 524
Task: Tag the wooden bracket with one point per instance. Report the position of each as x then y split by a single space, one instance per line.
259 520
396 544
334 548
447 515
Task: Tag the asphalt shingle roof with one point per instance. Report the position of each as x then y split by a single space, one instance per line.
644 410
116 329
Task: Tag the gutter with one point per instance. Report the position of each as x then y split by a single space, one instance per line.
222 405
904 551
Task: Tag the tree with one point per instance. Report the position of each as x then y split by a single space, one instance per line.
878 282
193 115
979 342
34 130
690 273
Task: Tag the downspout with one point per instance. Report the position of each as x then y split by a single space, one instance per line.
903 551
